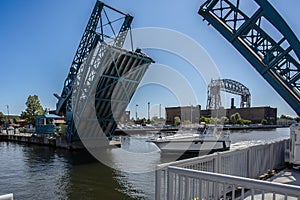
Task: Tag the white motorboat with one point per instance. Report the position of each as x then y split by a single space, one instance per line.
204 140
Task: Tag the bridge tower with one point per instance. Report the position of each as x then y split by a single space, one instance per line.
274 54
227 85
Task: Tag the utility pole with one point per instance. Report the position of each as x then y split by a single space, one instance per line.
149 111
159 111
136 113
7 119
191 113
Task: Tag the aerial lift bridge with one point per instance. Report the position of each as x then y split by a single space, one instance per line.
227 85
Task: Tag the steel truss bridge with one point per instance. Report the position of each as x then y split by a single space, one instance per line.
227 85
275 56
103 77
106 76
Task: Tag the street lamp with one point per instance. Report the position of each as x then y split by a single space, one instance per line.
159 111
7 119
191 114
149 111
136 114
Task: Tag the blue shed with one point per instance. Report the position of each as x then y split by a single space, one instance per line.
45 124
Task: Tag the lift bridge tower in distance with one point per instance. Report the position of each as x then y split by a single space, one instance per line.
226 85
263 38
102 74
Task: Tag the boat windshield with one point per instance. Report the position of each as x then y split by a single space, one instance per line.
211 130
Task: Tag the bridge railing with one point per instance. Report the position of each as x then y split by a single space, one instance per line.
250 162
193 184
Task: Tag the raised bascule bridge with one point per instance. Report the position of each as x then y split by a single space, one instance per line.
106 75
103 76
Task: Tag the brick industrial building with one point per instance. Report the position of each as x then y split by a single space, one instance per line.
185 113
255 114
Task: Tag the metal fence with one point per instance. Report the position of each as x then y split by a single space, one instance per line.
250 162
197 185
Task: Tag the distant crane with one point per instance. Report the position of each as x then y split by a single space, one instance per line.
277 60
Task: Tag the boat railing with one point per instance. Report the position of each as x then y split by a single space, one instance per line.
215 130
249 162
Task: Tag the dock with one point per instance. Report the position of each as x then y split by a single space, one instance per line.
287 176
29 138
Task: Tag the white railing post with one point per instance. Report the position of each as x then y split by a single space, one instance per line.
186 188
250 162
170 191
287 151
217 169
158 184
216 163
271 156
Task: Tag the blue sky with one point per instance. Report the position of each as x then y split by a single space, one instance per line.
39 38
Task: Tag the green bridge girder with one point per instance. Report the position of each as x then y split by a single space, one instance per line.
276 60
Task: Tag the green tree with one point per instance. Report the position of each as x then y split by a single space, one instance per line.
235 118
246 121
264 121
202 119
2 118
240 121
63 129
187 122
33 109
224 120
286 117
207 120
177 120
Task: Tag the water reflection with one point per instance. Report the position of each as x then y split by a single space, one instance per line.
142 185
38 172
245 138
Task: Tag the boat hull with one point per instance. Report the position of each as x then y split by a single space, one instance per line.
199 146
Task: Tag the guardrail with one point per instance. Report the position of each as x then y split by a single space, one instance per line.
193 184
250 162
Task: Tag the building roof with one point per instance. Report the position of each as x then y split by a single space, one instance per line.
50 116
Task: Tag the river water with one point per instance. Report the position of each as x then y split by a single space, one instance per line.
39 172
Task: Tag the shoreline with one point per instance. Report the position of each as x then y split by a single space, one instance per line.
28 138
136 131
61 141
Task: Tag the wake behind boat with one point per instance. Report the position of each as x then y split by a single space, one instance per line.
202 141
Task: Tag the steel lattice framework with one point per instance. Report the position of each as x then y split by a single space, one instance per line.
227 85
275 58
98 66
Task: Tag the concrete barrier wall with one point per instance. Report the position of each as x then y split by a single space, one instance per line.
60 141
